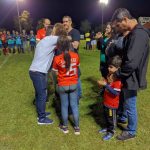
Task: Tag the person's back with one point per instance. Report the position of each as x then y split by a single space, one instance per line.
66 68
41 61
65 77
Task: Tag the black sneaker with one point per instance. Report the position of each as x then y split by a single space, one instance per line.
104 130
125 135
76 130
64 129
47 114
108 136
45 121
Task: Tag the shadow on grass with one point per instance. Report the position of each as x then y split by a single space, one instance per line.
96 108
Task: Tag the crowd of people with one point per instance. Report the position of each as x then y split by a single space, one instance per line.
15 42
124 53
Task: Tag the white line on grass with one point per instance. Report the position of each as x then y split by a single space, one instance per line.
4 62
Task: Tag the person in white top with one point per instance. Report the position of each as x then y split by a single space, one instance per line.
41 63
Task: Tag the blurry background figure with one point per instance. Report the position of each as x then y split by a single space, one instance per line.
1 45
88 41
19 43
24 37
10 42
32 40
4 42
93 40
41 33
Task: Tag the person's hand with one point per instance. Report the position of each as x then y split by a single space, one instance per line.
99 35
101 83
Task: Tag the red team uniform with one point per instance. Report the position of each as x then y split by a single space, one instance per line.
110 100
70 77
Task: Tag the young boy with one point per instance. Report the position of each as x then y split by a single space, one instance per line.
111 97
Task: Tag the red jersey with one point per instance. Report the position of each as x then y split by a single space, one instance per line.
3 38
41 33
111 100
70 77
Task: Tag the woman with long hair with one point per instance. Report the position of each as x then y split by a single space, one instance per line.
66 67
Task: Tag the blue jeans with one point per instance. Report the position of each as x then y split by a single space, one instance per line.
68 95
40 83
130 110
79 88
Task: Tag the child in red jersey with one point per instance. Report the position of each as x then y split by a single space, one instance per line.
66 67
111 97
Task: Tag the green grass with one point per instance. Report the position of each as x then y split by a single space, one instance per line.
18 123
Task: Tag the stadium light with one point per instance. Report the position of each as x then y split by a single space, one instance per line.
17 4
103 3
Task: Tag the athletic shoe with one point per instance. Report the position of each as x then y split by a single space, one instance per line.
47 114
108 136
103 130
64 129
125 135
76 130
45 121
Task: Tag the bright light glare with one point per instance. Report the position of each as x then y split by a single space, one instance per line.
103 2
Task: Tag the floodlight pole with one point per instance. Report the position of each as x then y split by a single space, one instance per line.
17 4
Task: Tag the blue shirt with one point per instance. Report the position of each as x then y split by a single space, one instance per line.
18 40
44 54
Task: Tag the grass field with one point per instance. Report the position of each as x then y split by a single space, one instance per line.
18 122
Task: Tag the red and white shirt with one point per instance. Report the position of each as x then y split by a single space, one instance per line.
70 77
111 100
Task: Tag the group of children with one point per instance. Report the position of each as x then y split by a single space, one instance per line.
15 41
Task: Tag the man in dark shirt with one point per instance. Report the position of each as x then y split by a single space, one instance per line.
72 33
74 36
134 66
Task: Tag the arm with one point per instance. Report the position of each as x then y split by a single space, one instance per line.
112 90
76 39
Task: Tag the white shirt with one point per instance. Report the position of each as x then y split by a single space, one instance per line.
44 54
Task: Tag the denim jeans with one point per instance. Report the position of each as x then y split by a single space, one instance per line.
79 89
68 95
40 83
130 110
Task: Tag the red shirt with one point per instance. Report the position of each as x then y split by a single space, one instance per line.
111 100
66 78
41 33
3 38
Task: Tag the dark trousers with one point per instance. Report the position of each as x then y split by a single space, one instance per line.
110 118
40 83
104 69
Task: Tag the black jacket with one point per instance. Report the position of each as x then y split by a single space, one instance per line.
135 59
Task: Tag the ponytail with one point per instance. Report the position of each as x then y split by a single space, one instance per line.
67 59
63 45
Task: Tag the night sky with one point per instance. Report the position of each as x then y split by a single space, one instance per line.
77 9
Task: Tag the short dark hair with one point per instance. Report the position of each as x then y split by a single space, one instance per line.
115 61
69 18
120 13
